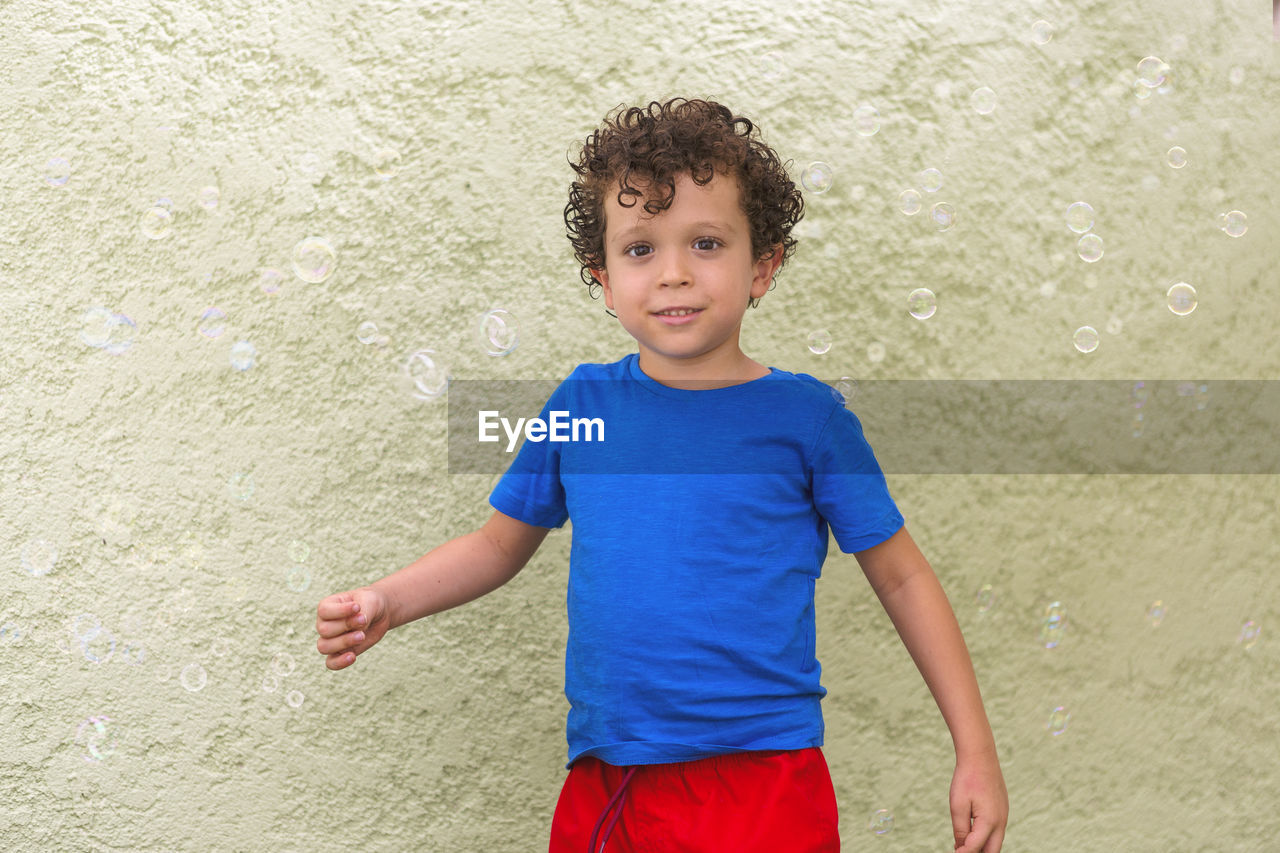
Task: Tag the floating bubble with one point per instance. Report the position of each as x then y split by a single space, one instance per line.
294 698
819 341
1152 71
243 355
771 66
299 551
367 332
313 260
219 647
386 162
1089 248
1054 627
921 303
847 386
1080 217
866 120
983 100
881 821
282 664
156 222
875 351
1177 157
499 332
270 281
985 598
1249 634
211 325
1139 394
943 215
931 180
298 579
39 556
208 197
816 177
1234 223
1181 299
1085 339
1155 613
98 737
133 654
98 646
909 202
240 484
270 683
429 375
1058 719
10 633
1041 32
57 171
193 677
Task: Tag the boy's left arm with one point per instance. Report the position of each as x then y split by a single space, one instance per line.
916 603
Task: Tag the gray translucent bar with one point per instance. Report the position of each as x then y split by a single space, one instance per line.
952 426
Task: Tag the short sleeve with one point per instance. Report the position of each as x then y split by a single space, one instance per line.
531 490
849 489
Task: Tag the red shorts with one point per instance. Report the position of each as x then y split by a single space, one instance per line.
744 802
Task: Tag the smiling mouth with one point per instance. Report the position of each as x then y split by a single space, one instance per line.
682 312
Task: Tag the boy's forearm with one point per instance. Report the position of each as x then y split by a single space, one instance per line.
458 571
927 625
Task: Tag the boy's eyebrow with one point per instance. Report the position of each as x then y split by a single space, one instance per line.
695 226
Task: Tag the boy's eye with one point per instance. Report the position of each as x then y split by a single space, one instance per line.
628 251
714 242
705 244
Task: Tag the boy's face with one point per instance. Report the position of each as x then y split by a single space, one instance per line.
695 254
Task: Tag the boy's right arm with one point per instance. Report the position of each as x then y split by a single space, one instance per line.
460 570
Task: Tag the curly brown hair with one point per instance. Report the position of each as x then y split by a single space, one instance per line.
653 144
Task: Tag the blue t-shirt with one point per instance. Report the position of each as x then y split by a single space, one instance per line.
699 528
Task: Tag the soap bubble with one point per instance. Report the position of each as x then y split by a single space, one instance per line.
429 375
1080 217
1177 157
1155 613
1152 71
1058 719
39 557
1234 223
985 598
386 162
243 355
1089 248
1085 339
881 821
193 677
499 332
943 215
1181 299
211 325
983 100
208 197
57 171
921 303
1041 32
866 120
156 222
1249 634
931 180
819 341
909 202
313 259
817 177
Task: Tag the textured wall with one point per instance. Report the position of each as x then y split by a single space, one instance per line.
175 501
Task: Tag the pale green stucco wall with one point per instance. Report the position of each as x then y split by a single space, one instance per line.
137 566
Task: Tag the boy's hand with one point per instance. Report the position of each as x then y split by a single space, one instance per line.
978 794
349 623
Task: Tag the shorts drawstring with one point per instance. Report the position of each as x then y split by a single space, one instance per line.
620 793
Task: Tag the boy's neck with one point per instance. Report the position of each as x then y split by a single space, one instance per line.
698 375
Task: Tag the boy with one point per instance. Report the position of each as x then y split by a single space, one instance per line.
699 526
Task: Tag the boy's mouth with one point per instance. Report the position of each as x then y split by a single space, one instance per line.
678 315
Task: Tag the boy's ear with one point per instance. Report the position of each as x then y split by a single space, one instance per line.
766 267
602 276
